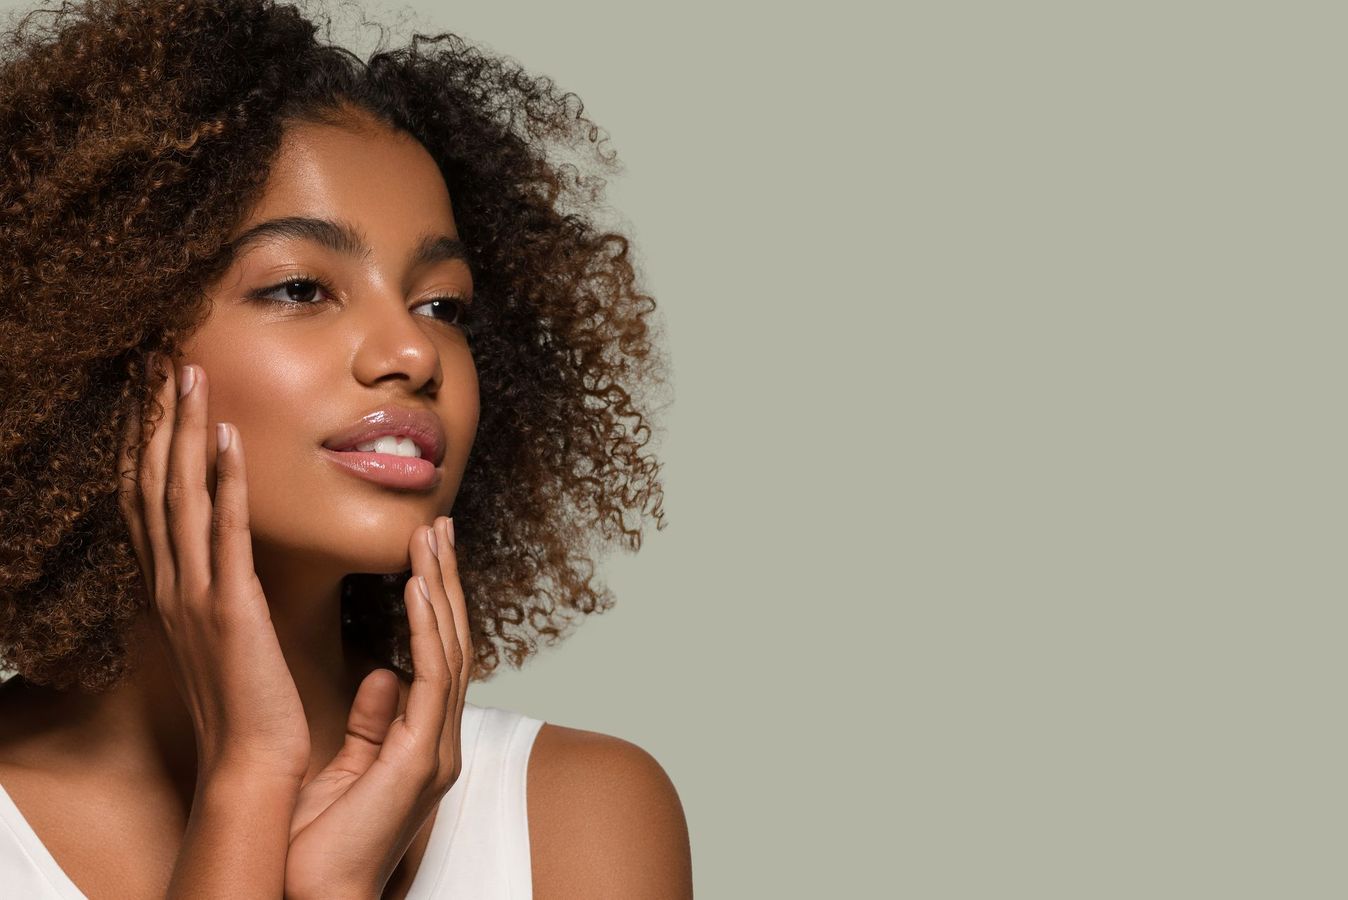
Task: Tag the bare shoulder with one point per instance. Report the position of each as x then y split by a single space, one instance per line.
604 820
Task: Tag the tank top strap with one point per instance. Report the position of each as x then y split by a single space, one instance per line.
479 845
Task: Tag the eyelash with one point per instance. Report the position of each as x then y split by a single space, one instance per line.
464 320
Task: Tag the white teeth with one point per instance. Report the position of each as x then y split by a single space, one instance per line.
395 446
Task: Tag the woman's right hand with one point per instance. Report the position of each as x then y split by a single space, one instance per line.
196 558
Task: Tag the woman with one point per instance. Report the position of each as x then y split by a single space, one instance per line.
318 388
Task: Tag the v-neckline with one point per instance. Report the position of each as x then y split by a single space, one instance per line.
423 883
35 850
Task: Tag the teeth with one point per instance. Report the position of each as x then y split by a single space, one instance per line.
395 446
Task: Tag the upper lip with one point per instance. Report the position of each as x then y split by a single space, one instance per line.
422 426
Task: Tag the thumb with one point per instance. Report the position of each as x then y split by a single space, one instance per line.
372 712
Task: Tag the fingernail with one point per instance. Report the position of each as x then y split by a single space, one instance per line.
449 530
425 591
430 539
221 437
189 378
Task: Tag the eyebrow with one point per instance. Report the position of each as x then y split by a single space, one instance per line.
345 238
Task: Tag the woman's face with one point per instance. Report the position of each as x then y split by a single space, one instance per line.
298 370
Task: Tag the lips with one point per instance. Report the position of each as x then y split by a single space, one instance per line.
421 426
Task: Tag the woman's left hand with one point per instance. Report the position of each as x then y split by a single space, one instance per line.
354 821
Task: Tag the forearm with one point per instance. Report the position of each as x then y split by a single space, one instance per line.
237 837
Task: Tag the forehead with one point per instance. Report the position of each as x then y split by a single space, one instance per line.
380 178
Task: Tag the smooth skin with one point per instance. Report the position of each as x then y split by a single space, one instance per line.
113 784
343 832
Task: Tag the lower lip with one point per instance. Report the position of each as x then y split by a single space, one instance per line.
408 472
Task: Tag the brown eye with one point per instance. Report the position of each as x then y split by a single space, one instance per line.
299 291
453 310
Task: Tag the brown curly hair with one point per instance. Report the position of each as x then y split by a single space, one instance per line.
138 134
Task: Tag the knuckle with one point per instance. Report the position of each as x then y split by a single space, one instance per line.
434 676
150 481
176 493
226 519
435 673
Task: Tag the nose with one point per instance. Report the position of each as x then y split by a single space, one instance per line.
393 345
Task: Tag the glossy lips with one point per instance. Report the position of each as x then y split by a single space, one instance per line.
421 426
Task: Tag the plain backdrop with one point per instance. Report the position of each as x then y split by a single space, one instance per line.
1004 465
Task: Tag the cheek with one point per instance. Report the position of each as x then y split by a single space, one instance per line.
460 405
273 392
271 398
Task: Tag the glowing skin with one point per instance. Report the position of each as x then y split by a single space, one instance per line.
290 376
287 378
121 766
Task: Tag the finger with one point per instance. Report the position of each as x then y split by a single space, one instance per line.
442 549
128 493
367 726
231 538
153 470
372 712
186 501
428 695
441 587
449 564
453 587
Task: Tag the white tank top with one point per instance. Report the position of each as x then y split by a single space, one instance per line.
479 845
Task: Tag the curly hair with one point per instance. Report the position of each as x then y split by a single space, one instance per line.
138 134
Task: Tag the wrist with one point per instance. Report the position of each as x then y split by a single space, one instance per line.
234 763
247 784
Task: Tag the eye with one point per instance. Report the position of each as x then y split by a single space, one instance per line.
300 284
457 311
299 290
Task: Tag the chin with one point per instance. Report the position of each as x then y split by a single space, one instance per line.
385 552
389 564
381 549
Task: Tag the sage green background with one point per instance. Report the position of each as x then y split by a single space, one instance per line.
1004 467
